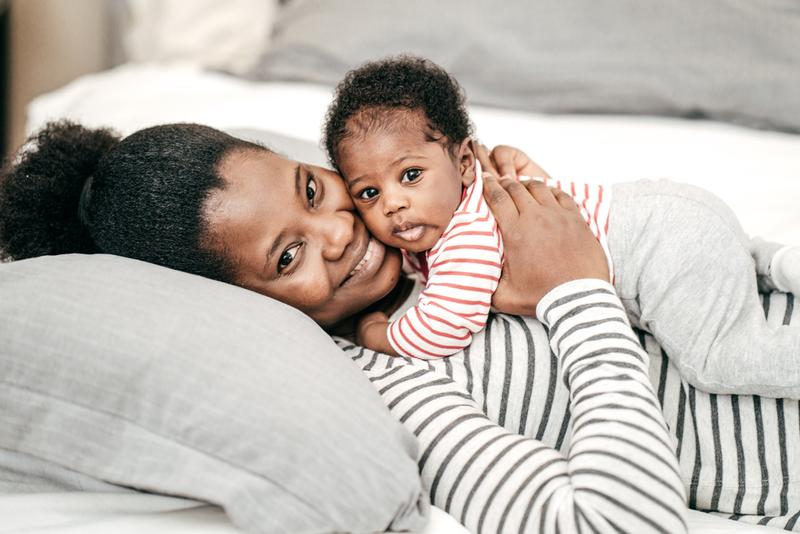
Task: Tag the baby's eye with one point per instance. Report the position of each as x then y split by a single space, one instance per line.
368 193
287 257
411 175
311 189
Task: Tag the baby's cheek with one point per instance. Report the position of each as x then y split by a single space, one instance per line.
378 225
443 212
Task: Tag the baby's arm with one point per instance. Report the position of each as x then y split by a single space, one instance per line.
372 333
456 300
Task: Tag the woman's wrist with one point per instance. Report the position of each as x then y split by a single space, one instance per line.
572 288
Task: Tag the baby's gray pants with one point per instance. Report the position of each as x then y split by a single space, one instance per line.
684 272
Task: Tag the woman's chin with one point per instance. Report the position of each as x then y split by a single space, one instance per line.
360 293
382 282
386 277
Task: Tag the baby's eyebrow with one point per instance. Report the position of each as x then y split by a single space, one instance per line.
352 183
395 163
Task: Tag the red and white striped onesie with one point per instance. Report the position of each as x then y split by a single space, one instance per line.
463 268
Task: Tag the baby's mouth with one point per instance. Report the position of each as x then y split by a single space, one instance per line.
409 232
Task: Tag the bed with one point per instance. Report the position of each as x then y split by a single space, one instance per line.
755 170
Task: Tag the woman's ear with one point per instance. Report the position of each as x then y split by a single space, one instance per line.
466 161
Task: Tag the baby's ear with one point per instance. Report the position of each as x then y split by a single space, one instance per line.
466 161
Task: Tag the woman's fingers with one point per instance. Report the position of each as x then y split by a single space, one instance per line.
543 194
519 193
513 162
500 201
563 199
505 160
482 153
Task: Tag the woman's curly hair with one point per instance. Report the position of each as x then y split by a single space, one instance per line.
148 193
381 87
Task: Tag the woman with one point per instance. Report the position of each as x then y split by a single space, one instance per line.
587 448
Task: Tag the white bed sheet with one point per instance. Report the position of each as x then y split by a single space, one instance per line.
756 172
105 513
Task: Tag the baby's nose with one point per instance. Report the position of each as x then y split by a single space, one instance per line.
394 203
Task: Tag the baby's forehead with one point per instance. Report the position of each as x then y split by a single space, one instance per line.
391 120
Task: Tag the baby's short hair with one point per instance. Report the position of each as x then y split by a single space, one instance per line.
378 90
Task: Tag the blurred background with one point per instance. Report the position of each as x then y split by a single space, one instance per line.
734 61
45 44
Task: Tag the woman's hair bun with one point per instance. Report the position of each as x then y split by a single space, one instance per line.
40 190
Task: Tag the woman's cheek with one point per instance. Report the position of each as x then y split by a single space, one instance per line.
309 294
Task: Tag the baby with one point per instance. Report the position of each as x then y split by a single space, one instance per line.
399 134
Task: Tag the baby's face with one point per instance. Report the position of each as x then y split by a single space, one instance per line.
405 186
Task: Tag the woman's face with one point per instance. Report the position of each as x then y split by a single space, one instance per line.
292 233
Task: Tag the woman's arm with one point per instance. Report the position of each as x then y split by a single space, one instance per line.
619 473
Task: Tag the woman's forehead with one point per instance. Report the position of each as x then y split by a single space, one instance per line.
243 166
257 188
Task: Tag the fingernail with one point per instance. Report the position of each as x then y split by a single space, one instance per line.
525 179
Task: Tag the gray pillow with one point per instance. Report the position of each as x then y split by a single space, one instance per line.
734 60
153 379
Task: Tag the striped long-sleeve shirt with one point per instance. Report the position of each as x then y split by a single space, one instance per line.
559 430
462 270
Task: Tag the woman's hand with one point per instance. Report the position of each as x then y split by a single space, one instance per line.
547 242
506 160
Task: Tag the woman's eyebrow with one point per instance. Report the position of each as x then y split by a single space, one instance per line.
279 239
275 246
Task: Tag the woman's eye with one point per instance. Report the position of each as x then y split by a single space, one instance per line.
311 189
287 257
411 175
368 193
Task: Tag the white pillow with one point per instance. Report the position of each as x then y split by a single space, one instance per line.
227 35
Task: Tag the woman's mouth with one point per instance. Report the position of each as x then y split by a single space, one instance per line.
369 263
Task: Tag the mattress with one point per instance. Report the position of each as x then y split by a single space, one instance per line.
756 172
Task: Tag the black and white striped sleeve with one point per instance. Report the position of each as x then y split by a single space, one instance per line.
619 472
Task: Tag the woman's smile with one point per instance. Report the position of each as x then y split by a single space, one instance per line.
369 264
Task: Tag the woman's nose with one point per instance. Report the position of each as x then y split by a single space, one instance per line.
336 230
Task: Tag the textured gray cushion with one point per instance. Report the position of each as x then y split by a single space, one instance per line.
162 381
734 60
